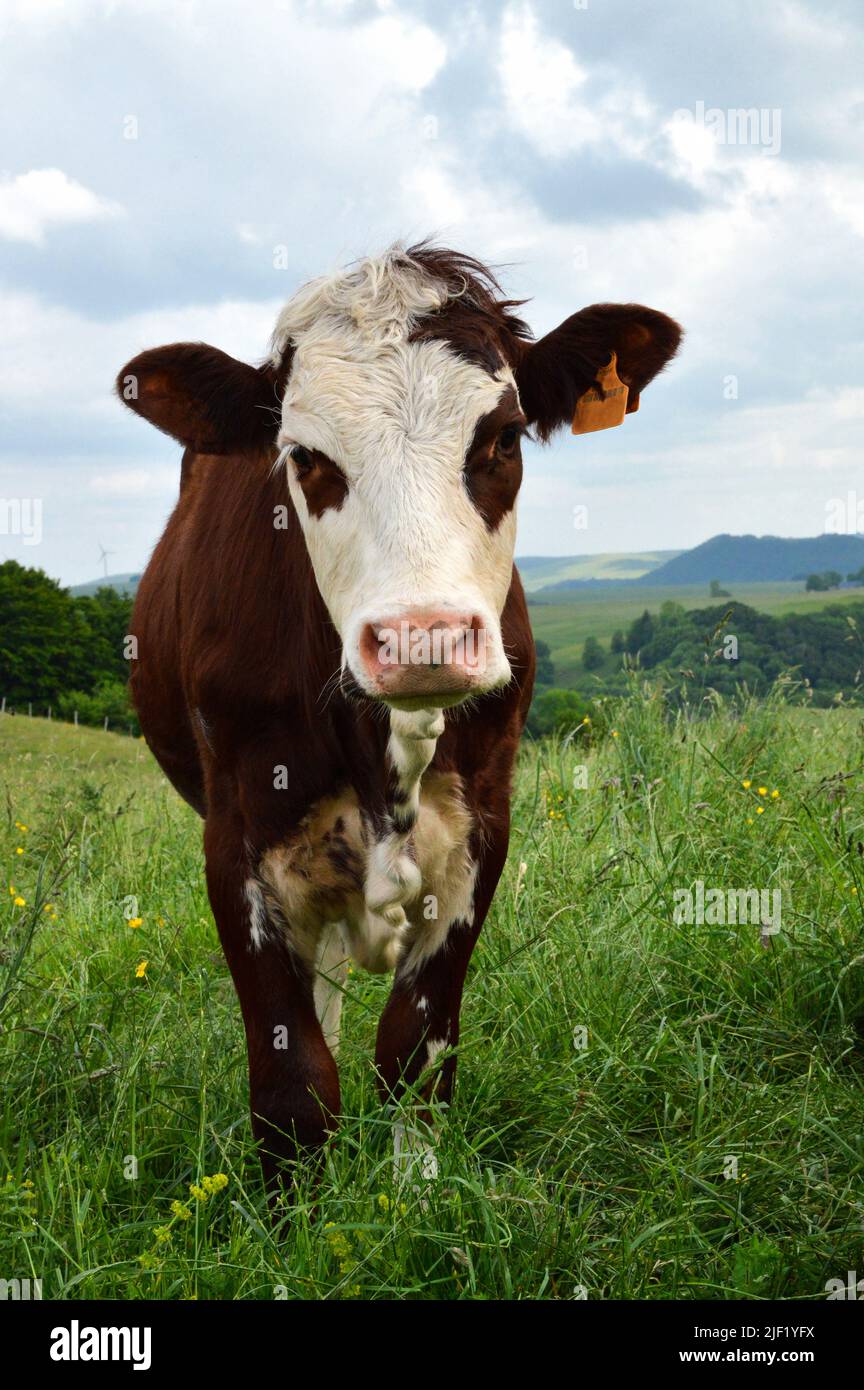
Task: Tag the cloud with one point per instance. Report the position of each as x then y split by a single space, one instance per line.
31 203
136 482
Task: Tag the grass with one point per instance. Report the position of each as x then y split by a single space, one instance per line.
704 1142
564 619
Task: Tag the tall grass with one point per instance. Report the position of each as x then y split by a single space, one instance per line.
644 1109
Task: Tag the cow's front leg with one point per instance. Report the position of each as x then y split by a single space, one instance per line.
293 1080
421 1019
419 1023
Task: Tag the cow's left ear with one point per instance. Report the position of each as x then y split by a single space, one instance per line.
206 400
555 371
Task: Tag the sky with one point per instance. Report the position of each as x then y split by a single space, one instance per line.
175 169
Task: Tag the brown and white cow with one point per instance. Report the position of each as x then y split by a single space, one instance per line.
334 656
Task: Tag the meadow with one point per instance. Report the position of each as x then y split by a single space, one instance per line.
644 1109
564 618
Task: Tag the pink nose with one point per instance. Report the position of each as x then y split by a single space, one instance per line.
424 653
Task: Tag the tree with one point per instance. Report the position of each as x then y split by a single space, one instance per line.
820 583
593 655
545 669
716 591
558 712
52 643
616 644
640 633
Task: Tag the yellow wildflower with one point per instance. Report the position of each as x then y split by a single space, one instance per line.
614 733
162 1234
774 794
19 901
339 1243
180 1210
141 969
135 921
760 810
19 850
383 1201
747 784
763 791
214 1183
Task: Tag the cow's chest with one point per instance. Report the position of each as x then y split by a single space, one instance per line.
394 893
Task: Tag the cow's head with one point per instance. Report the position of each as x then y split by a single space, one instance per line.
406 384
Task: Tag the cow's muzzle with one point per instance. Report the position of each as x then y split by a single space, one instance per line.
426 657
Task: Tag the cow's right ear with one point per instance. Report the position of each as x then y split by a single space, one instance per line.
558 370
206 400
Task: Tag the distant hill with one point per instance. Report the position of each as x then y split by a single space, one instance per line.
552 571
123 583
731 559
753 559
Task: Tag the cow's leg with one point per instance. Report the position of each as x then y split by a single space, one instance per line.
293 1081
421 1019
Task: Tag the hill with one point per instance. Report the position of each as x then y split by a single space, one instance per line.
537 571
123 583
562 571
759 559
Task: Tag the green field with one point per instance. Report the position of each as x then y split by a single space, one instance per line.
565 619
644 1109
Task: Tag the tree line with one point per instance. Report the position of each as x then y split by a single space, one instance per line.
63 651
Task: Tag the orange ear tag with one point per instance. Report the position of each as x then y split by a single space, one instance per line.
596 412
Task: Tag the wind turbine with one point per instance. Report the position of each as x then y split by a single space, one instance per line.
103 556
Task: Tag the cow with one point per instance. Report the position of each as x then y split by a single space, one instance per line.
334 659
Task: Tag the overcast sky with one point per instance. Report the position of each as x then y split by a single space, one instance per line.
174 169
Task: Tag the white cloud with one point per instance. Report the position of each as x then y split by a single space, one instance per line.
32 202
59 360
136 482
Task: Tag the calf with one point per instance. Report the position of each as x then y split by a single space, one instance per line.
334 656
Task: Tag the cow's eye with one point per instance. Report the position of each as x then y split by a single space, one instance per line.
508 439
303 462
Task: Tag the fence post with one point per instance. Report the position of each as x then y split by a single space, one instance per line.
105 725
49 711
75 719
30 708
3 706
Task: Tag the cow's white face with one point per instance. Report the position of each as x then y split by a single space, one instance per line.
403 464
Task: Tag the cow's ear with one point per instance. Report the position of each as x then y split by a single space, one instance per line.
207 400
555 371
